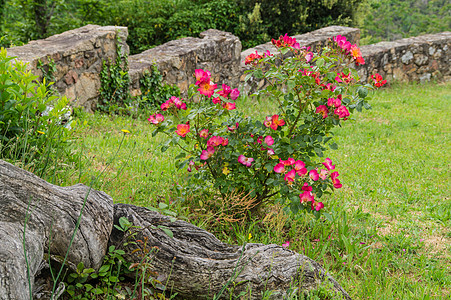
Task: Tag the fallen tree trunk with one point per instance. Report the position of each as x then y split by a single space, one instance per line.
41 218
197 265
48 215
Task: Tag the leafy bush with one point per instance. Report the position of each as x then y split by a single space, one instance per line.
281 154
31 119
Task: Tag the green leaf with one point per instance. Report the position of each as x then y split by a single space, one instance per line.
363 92
354 73
167 231
124 223
359 106
269 167
180 155
162 205
80 267
291 84
318 151
104 268
87 271
333 146
320 62
258 74
97 291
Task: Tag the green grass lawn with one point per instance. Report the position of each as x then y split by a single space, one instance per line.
389 234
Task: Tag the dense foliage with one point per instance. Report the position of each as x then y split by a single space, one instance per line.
402 18
34 126
155 22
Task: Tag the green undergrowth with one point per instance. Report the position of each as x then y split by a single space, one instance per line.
388 234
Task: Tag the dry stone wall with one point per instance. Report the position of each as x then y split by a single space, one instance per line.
217 51
422 58
78 55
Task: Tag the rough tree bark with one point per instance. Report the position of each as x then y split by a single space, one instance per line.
197 265
51 213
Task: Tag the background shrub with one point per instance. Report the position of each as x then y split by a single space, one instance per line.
154 22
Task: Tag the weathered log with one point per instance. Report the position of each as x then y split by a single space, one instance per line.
51 213
195 264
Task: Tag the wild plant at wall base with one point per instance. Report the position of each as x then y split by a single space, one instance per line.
34 122
281 156
114 82
153 91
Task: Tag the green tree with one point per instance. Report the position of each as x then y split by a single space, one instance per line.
402 18
264 19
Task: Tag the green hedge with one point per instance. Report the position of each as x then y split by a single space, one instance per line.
154 22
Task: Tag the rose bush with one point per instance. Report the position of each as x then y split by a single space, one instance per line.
281 155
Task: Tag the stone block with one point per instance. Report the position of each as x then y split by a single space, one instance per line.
71 77
74 49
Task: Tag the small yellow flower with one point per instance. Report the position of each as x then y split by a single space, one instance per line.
274 157
250 236
196 146
125 131
41 132
225 171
